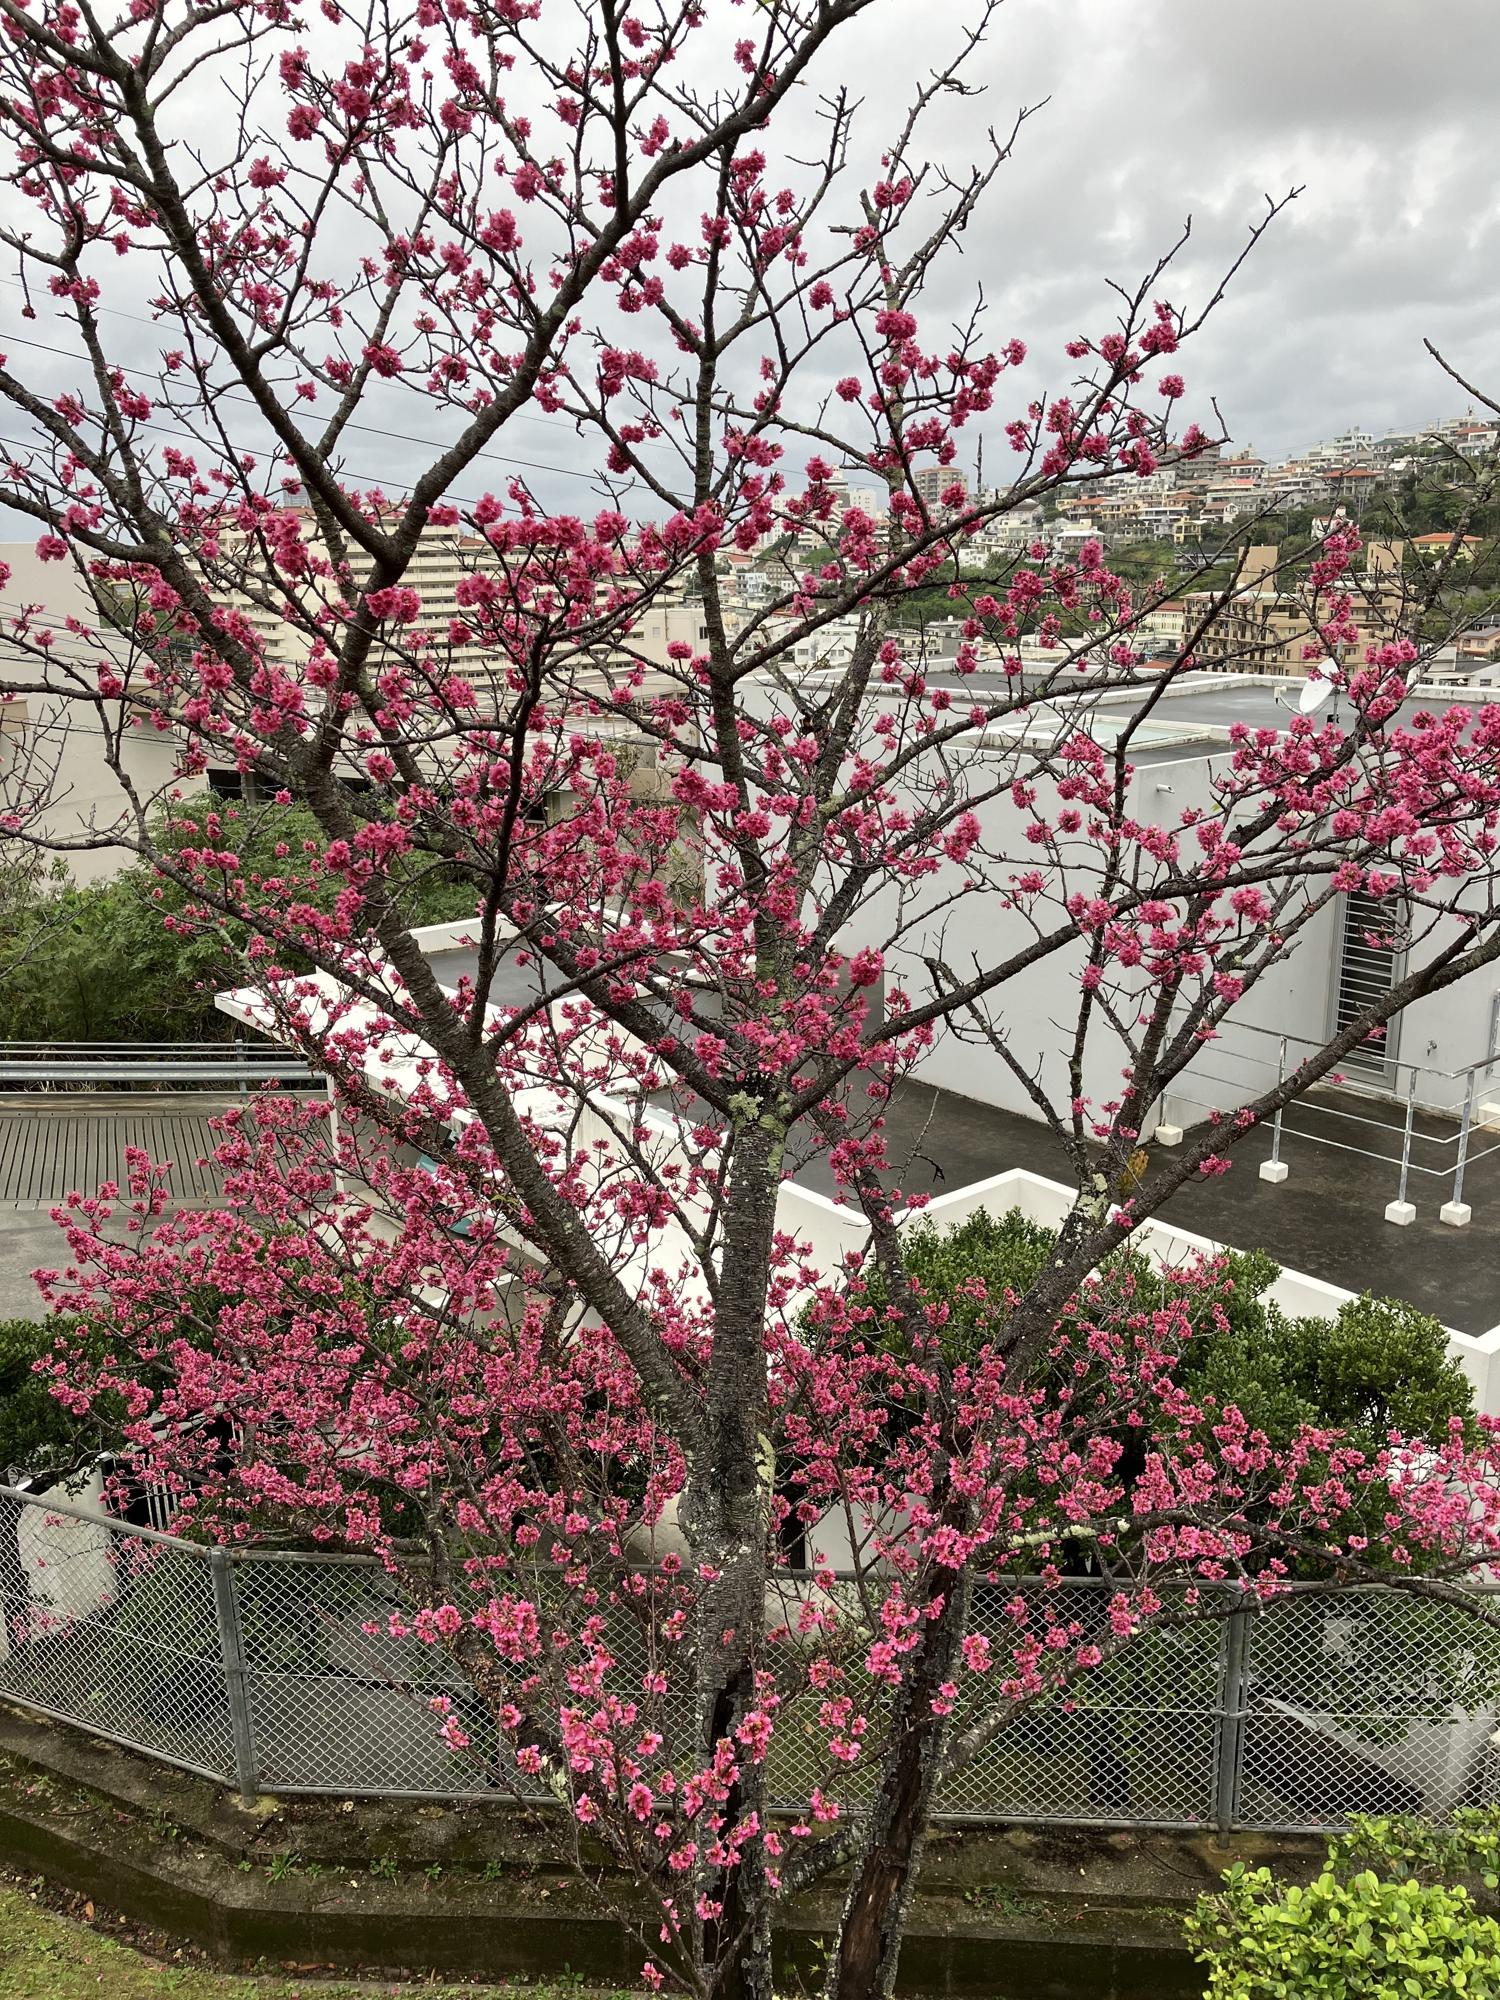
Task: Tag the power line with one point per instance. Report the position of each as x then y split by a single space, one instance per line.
140 319
276 448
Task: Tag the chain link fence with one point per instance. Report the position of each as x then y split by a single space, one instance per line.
278 1673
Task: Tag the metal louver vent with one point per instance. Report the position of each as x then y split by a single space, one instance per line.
1367 972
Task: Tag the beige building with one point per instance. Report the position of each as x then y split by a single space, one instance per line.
1432 548
1159 633
1267 628
442 560
931 482
57 767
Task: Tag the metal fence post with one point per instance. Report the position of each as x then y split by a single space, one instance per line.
236 1678
1457 1211
1274 1169
1234 1649
1400 1210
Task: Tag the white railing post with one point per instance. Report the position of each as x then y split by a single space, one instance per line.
1456 1212
1275 1169
1401 1211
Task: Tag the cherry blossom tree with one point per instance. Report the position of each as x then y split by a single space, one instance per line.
529 1311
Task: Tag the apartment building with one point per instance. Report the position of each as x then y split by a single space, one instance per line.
931 482
1468 433
1160 518
1266 626
1297 483
1245 465
443 558
1354 485
1161 631
1351 447
1233 495
1010 534
59 771
1432 548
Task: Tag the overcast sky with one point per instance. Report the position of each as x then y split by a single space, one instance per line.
1386 110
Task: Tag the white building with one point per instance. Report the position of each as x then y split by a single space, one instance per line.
1326 978
590 1118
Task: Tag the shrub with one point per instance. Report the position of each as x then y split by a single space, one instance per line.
36 1432
1377 1367
1391 1916
130 960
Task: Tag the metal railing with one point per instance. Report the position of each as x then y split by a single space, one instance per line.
148 1065
1411 1094
276 1673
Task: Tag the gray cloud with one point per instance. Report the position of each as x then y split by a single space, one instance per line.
1382 110
1159 110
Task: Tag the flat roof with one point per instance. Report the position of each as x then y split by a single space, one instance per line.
1197 713
1327 1221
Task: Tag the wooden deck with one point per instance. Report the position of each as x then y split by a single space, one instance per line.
47 1150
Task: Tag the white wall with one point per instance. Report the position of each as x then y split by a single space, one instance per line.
1452 1029
1036 1012
66 1559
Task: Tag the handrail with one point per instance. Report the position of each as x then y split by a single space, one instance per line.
1221 1046
161 1072
1459 1103
1318 1108
1479 1583
99 1517
227 1051
151 1062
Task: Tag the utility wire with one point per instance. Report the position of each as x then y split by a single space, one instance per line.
140 319
275 450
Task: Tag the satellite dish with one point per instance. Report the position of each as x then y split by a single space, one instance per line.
1316 692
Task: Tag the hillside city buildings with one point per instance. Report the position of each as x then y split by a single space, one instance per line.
1260 624
1195 503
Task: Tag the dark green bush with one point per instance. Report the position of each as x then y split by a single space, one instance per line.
36 1432
1378 1366
99 962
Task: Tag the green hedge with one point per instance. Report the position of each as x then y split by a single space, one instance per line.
1393 1915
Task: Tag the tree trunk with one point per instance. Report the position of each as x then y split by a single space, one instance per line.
874 1918
725 1515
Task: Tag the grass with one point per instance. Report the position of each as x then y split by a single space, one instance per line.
45 1957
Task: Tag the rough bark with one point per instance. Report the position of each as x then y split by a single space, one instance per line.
874 1915
725 1515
